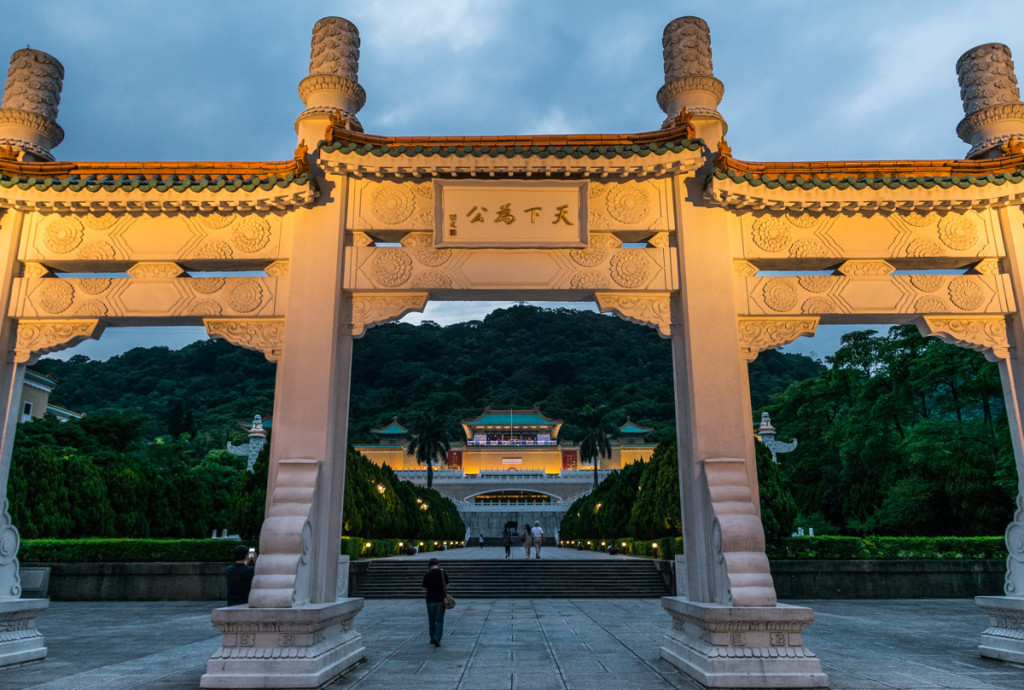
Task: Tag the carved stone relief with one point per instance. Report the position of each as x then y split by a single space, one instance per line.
630 205
38 337
630 269
374 309
870 237
156 296
104 237
391 205
262 335
986 334
421 246
648 309
597 252
391 267
758 335
878 294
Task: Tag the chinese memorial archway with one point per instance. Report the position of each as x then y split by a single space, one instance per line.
724 257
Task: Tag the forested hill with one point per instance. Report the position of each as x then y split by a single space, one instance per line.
558 359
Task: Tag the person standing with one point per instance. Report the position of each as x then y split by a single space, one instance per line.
240 574
435 584
526 539
507 543
537 533
481 540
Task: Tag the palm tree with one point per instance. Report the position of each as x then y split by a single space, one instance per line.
596 432
429 442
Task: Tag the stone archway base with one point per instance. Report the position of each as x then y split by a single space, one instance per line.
1004 638
20 641
722 646
301 647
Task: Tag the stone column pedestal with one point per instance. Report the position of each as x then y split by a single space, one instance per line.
723 646
19 639
302 647
1004 638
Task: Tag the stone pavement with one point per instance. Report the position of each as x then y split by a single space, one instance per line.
497 553
544 644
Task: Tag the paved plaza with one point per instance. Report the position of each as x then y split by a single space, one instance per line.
508 643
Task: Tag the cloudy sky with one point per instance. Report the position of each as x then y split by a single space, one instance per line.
804 79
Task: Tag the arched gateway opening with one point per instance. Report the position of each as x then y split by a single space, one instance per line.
665 228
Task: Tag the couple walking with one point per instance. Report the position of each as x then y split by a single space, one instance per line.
532 536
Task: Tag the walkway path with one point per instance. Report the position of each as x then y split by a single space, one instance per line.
497 553
548 644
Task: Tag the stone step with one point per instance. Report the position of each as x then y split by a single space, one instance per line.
389 579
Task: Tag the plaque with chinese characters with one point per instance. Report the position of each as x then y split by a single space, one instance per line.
510 214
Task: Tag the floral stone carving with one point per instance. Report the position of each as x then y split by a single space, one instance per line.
64 234
652 309
967 293
770 233
985 334
421 246
779 294
246 295
598 249
958 232
262 335
252 234
392 203
628 203
96 251
758 335
370 310
391 267
56 296
630 269
41 336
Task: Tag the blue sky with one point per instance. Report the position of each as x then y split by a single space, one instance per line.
804 80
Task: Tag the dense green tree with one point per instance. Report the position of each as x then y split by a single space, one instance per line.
778 509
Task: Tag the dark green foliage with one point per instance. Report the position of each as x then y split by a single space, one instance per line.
657 512
595 437
904 435
778 509
845 548
248 501
378 505
429 442
126 550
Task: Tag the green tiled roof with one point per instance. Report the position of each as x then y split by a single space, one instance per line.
392 429
859 182
563 151
518 419
159 183
631 428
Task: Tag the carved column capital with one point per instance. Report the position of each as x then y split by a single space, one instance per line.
760 334
374 308
647 309
986 334
41 336
264 335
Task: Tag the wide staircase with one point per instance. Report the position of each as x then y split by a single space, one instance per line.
518 579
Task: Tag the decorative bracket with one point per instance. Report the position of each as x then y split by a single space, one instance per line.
760 334
264 335
647 309
986 334
374 308
41 336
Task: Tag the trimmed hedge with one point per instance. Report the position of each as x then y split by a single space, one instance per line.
886 548
358 547
186 550
824 547
667 547
126 550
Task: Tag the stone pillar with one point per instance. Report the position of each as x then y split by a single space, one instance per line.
296 631
28 115
690 85
993 112
1004 639
331 92
728 629
20 641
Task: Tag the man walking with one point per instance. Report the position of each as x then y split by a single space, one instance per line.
537 533
435 584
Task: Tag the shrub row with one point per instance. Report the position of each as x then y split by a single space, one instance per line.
359 547
879 548
126 550
187 550
666 547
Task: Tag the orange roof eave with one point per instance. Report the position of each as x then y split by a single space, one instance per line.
892 168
